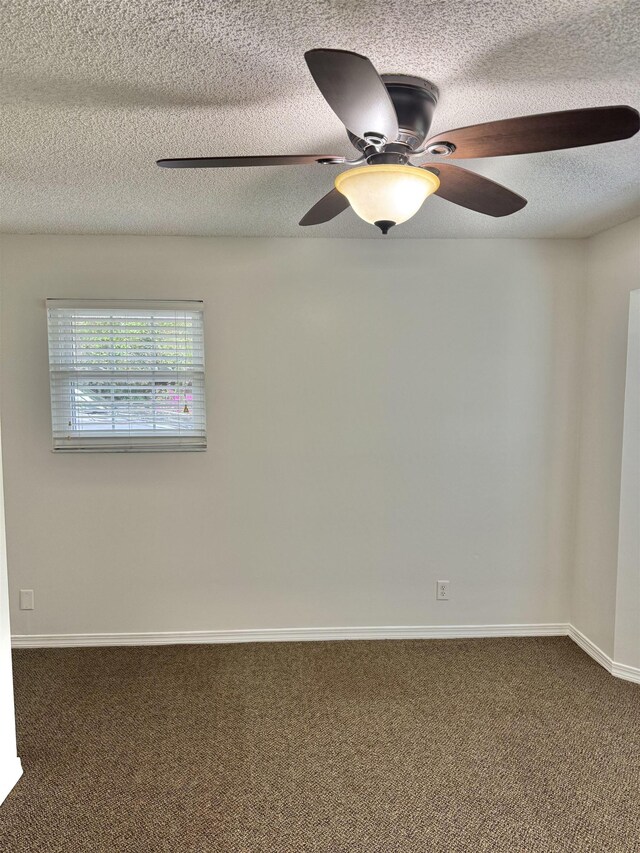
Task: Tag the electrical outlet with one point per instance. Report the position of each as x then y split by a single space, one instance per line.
26 599
442 590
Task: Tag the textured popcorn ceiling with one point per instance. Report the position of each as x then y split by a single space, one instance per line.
96 90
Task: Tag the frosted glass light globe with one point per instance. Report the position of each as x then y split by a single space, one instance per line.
386 192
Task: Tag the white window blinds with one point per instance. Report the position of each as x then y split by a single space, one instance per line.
126 375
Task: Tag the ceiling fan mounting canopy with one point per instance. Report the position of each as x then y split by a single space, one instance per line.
388 119
414 101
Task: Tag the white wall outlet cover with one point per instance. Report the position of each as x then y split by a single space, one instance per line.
26 599
442 590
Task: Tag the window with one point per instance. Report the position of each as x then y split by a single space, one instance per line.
126 375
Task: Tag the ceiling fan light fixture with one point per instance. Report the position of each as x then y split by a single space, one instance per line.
386 192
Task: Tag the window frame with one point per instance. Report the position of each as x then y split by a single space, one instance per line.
121 441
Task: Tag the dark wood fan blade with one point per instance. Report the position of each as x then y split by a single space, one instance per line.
473 191
329 206
544 132
355 92
235 162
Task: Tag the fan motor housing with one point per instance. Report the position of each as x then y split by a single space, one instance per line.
414 100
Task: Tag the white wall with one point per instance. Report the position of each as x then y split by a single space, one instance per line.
613 271
10 768
382 414
627 632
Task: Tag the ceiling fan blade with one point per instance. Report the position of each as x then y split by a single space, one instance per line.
473 191
329 206
544 132
355 92
234 162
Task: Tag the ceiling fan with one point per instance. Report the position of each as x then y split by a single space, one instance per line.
387 119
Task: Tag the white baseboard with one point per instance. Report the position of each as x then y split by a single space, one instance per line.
590 648
278 635
629 673
620 670
10 772
282 635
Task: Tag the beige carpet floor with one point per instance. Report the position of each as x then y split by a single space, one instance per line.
508 746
